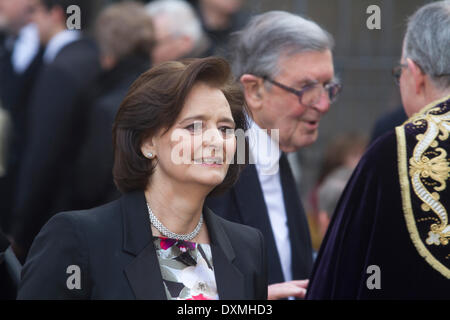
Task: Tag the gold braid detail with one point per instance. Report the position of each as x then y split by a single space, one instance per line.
422 166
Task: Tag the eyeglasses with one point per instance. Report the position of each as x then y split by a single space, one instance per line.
310 94
397 72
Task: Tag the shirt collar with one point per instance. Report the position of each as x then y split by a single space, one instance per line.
264 149
59 41
26 47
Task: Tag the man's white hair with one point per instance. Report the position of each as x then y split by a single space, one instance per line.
182 17
427 41
258 47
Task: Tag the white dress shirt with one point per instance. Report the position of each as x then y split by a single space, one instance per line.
26 46
266 155
59 41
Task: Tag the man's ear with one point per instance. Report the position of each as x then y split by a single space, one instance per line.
184 45
253 90
108 62
418 76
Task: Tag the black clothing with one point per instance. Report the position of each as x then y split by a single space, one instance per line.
113 248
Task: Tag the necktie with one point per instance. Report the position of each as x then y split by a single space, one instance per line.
297 223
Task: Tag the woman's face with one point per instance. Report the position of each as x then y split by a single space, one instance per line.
198 148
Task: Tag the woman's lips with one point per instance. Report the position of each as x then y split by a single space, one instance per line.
211 165
209 162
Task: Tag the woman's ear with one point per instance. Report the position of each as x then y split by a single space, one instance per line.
148 148
253 90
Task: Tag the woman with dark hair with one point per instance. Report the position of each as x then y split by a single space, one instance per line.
174 144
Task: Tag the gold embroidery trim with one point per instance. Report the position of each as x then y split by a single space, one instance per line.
407 205
424 110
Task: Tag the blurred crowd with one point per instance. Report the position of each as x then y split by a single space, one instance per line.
340 159
60 90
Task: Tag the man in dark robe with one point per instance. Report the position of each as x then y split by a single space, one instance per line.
389 237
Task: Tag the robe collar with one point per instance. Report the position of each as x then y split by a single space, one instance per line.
423 146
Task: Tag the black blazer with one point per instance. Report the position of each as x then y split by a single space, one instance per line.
244 203
8 289
113 247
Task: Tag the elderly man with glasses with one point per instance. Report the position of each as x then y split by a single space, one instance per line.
389 238
284 63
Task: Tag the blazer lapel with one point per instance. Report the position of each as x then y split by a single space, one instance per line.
229 280
297 223
144 276
254 213
143 273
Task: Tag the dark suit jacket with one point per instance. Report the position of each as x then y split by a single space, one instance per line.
388 121
93 181
15 91
244 203
56 124
8 291
8 78
112 245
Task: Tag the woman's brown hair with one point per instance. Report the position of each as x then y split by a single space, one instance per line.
154 102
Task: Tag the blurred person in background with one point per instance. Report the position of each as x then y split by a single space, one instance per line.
20 59
388 121
285 66
219 19
55 122
19 46
340 159
178 31
389 236
125 35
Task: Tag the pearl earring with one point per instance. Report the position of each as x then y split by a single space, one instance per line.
149 155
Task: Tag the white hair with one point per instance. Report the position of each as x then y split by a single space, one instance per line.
268 36
183 19
427 41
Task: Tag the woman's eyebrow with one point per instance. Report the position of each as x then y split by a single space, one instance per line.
202 117
228 120
196 117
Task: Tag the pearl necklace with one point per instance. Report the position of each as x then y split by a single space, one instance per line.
166 232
